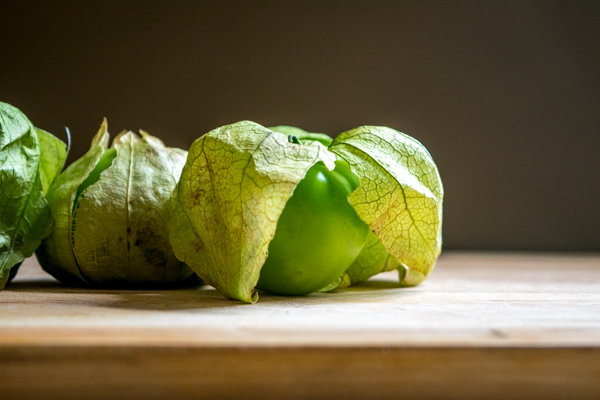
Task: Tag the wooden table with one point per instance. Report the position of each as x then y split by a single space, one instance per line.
484 325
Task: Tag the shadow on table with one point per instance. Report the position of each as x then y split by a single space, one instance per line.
375 284
171 300
37 285
188 297
193 297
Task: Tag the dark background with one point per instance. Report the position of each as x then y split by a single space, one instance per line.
504 94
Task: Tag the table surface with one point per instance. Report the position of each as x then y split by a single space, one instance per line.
477 306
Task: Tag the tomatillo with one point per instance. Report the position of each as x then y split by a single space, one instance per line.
318 236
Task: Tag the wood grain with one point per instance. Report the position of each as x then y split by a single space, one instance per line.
483 326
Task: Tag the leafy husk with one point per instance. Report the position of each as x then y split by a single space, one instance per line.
56 252
400 197
111 227
53 157
232 190
30 158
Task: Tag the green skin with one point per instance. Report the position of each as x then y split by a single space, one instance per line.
318 234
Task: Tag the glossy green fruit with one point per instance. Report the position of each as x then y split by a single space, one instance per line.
318 234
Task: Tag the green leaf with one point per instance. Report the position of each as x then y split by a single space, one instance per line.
53 154
303 135
399 197
56 253
232 190
24 216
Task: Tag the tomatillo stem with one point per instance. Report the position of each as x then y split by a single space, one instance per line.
294 139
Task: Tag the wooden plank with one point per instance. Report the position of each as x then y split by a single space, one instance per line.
470 300
295 373
483 326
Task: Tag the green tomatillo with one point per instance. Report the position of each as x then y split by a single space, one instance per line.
318 234
110 216
254 210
